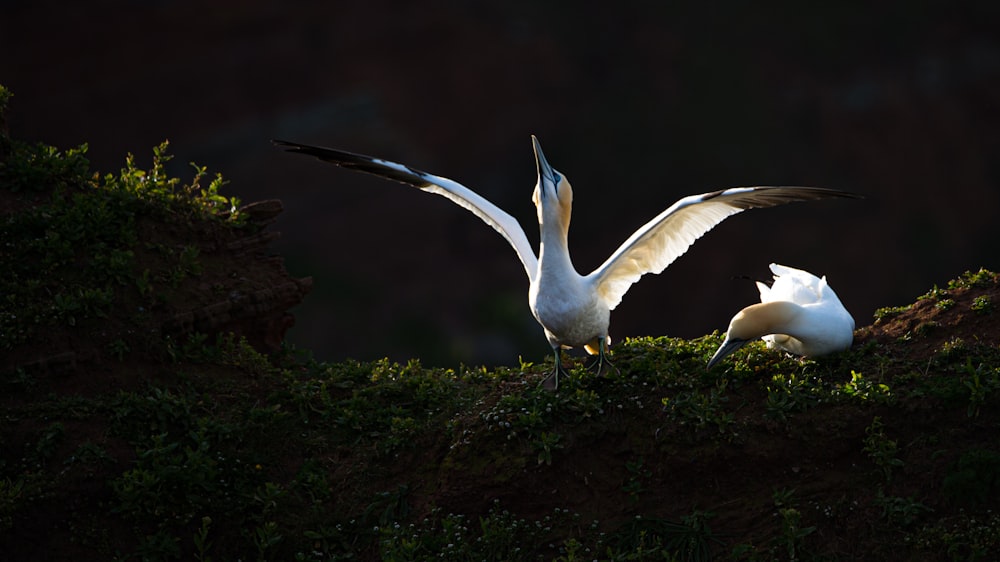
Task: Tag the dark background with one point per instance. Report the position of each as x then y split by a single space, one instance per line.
638 104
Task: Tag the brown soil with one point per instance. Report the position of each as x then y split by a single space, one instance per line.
922 329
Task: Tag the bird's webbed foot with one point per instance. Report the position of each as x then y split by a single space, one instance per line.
602 365
551 382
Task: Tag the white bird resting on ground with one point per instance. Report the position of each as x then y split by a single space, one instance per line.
799 314
574 310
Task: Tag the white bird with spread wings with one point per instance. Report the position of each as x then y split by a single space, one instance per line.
573 309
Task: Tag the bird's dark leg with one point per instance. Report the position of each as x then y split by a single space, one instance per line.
602 359
551 382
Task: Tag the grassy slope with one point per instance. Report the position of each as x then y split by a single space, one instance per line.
198 447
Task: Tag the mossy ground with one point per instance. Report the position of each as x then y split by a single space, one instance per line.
196 446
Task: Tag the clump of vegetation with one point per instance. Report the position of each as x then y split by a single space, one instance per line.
975 478
881 449
70 251
980 279
944 300
886 312
982 305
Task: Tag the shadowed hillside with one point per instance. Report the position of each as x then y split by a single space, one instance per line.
150 412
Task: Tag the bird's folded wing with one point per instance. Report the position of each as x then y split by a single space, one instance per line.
796 285
492 215
665 238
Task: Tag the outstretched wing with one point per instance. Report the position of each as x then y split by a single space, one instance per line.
665 238
492 215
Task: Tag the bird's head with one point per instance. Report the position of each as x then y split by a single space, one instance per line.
553 196
755 321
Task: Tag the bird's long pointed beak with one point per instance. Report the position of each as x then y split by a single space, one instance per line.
727 347
545 172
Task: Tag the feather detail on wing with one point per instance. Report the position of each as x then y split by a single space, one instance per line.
665 238
462 196
793 285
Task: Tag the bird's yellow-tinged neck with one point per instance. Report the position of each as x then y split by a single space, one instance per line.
553 199
763 319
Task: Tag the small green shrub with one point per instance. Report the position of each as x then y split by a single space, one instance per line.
887 312
864 389
975 478
700 409
70 255
880 449
903 512
980 279
963 537
982 305
945 304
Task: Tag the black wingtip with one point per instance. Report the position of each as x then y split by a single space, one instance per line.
338 157
289 145
802 193
826 192
359 163
845 194
822 192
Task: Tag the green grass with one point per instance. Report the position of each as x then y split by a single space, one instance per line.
306 461
71 255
